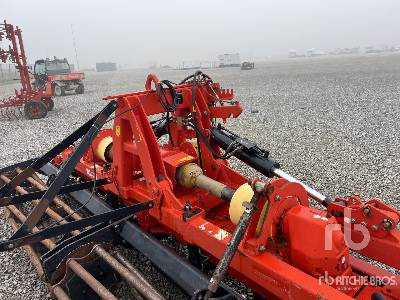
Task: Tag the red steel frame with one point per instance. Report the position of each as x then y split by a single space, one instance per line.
142 169
16 54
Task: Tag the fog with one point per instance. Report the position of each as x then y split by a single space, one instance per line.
142 33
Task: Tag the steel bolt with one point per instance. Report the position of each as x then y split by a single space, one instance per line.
270 189
367 211
363 223
387 224
353 220
277 197
374 228
262 248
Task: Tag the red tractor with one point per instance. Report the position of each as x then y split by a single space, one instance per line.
58 73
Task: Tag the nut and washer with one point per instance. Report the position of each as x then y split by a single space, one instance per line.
367 211
387 224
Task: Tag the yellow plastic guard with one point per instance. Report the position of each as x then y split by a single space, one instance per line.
101 148
236 209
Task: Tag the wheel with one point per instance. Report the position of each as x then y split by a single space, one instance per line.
49 103
80 89
58 90
35 110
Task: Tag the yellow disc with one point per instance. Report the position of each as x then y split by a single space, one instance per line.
236 209
102 148
262 218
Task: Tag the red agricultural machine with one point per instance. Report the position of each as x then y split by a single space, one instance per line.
30 101
163 169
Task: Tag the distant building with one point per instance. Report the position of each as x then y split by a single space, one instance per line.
292 54
188 65
106 66
314 52
229 60
342 51
371 49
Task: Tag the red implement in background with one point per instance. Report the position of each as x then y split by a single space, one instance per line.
29 101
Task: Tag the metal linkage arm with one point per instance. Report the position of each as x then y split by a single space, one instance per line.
36 164
231 248
64 173
63 190
50 232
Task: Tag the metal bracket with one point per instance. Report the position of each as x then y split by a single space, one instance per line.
19 199
91 128
50 232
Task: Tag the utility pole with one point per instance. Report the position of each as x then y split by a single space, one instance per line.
76 52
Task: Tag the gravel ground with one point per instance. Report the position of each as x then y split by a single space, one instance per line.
332 122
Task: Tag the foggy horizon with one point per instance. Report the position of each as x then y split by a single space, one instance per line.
167 33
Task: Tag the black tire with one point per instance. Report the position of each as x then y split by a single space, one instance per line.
35 110
80 89
49 103
58 90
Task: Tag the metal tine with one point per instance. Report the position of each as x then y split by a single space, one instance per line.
8 114
4 113
20 111
13 110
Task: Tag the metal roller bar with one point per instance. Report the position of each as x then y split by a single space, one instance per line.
96 286
190 279
138 283
77 268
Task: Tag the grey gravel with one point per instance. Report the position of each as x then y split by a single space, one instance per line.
332 122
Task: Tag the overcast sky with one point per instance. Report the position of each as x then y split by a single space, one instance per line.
140 33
